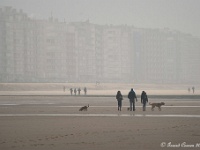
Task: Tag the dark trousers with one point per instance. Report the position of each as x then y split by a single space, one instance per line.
119 105
144 106
132 105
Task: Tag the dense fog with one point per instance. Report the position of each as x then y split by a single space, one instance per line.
182 15
131 41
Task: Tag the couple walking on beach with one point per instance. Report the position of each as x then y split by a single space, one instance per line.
132 98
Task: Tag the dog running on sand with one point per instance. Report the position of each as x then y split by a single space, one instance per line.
153 105
84 108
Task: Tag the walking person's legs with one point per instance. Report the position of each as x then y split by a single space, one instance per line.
120 106
131 105
144 106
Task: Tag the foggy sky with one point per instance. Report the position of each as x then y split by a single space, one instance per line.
181 15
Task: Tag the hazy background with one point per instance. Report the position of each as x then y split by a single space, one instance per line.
180 51
182 15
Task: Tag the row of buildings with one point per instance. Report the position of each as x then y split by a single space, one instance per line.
33 50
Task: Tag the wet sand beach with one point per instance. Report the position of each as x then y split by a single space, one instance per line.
55 123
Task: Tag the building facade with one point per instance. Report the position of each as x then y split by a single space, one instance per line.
33 50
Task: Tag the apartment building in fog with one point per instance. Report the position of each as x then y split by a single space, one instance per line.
33 50
17 50
56 56
117 53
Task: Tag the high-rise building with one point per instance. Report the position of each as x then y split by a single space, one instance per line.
116 50
33 50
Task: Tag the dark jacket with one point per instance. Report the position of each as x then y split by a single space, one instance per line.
119 97
144 98
132 95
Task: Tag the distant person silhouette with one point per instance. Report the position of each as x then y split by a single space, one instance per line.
193 88
132 97
71 91
85 90
79 91
144 100
119 98
188 90
75 91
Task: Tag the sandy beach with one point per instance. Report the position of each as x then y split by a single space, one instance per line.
55 123
94 89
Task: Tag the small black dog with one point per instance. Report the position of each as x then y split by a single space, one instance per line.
84 108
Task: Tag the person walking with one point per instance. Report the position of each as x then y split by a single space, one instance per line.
75 91
132 97
71 91
144 100
79 91
119 98
188 90
85 90
193 88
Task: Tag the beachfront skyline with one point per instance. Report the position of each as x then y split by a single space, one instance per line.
181 15
49 50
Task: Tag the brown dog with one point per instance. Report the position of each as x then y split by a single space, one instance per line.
84 108
153 105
